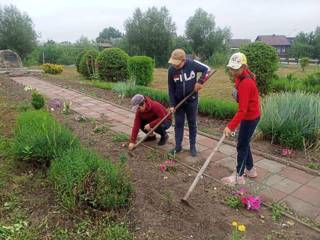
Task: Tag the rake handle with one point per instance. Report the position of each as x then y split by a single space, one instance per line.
203 168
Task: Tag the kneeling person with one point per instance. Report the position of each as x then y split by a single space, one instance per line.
148 114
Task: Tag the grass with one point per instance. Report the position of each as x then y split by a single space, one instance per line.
120 137
218 86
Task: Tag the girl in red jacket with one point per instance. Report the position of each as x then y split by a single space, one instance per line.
248 115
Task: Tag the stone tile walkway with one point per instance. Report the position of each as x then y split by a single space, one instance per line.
276 182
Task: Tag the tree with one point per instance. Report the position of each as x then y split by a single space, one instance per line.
16 31
304 62
205 38
107 34
151 33
306 45
182 42
263 62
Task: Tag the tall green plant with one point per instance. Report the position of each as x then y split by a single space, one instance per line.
291 119
39 138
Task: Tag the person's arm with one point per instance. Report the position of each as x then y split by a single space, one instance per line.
204 69
244 94
160 111
171 89
135 128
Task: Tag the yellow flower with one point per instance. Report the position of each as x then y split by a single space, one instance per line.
242 228
234 223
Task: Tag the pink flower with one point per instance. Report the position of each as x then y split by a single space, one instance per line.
163 168
253 203
286 152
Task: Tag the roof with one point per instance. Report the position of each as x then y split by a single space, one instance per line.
237 43
274 40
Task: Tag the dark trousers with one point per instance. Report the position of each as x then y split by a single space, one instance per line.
244 158
161 129
189 109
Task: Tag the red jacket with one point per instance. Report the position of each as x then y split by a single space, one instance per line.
248 99
153 114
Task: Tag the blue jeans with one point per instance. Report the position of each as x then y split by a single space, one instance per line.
244 158
189 109
161 129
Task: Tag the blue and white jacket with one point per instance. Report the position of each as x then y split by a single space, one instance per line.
181 81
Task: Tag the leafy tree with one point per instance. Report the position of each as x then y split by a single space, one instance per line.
304 62
107 34
16 31
182 42
205 38
306 45
263 62
151 33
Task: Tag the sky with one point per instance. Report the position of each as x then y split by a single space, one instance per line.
68 20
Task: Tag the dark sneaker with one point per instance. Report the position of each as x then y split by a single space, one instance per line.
151 138
176 150
193 150
163 140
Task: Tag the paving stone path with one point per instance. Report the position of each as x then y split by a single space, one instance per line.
276 182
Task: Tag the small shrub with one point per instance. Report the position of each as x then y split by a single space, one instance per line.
122 88
291 119
112 65
263 62
39 138
52 68
304 62
118 232
217 108
87 63
37 100
78 59
313 80
234 202
83 178
219 59
141 69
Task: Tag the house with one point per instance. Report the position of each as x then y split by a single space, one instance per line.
279 42
235 44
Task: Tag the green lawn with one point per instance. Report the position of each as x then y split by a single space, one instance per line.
219 85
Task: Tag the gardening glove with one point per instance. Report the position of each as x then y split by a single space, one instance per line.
198 87
227 131
172 110
131 146
147 127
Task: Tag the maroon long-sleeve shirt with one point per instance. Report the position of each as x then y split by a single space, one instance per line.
153 114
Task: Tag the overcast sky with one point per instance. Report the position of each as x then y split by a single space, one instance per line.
67 20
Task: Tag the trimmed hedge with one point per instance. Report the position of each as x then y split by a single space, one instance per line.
78 59
87 63
263 61
52 68
112 65
83 178
141 69
39 138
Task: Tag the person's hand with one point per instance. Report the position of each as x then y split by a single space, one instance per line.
131 146
227 131
147 127
198 87
172 110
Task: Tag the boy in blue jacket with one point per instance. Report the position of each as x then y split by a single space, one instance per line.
182 80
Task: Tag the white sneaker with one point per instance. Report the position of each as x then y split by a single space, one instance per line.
233 180
251 173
